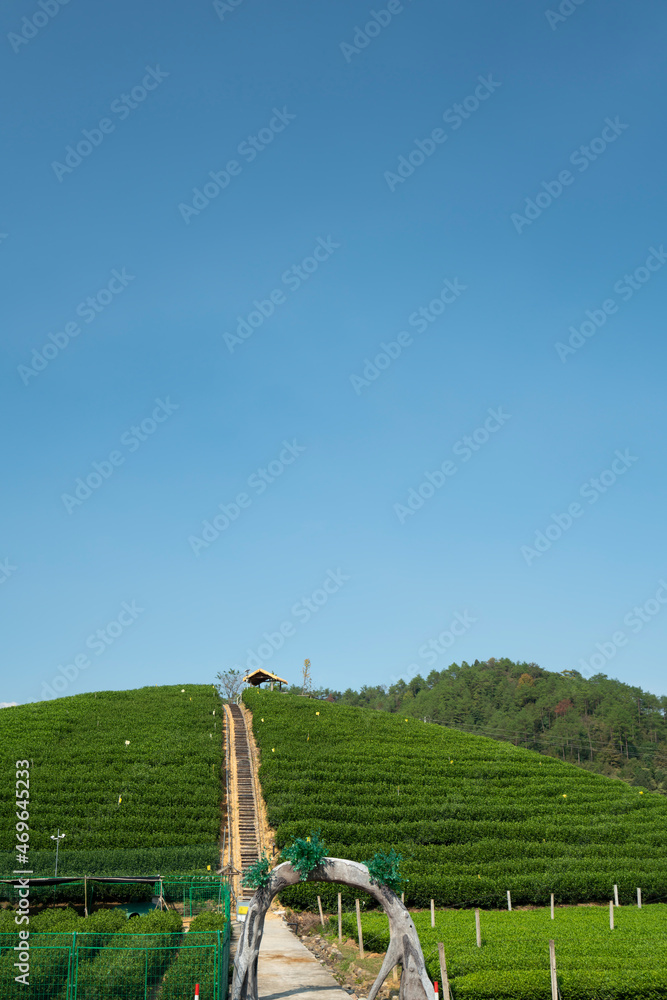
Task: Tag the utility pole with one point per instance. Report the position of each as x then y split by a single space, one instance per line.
306 678
61 836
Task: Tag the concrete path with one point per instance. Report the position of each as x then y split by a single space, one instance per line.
287 969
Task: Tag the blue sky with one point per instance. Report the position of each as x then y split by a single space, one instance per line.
413 209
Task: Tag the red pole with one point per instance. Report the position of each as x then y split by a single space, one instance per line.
197 992
435 984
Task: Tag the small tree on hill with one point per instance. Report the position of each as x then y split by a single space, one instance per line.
231 683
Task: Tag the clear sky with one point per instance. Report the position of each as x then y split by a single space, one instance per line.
330 330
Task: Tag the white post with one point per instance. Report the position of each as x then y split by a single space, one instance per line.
340 919
552 966
443 972
639 898
552 906
432 914
611 914
616 903
509 900
478 929
361 936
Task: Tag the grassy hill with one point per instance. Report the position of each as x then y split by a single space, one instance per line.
596 722
473 817
133 778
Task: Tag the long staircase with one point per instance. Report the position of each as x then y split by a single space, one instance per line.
244 791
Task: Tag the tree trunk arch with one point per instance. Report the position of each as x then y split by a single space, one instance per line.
404 947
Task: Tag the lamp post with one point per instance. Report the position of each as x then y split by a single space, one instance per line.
57 839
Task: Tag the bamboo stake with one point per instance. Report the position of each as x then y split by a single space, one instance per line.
478 928
432 914
639 898
443 971
552 967
340 919
509 900
616 903
552 906
361 936
611 914
85 896
319 904
403 898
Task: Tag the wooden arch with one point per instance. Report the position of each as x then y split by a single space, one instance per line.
404 947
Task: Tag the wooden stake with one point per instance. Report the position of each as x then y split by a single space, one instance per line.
319 904
478 928
394 973
85 896
616 895
340 919
432 914
639 898
552 967
443 971
611 914
403 898
552 906
361 936
509 900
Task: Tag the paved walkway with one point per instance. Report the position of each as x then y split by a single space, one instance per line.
287 969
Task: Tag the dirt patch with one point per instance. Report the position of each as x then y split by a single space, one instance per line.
356 975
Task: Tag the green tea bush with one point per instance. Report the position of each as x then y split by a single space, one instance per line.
471 817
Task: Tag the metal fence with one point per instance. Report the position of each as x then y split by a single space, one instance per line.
195 895
94 966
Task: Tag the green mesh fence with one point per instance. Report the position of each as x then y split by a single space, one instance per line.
94 966
193 896
190 895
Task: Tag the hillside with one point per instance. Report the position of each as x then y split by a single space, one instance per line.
473 817
133 778
598 723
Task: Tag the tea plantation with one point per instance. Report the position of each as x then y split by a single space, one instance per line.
133 779
472 817
594 962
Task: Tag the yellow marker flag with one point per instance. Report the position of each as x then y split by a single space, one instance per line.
120 799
